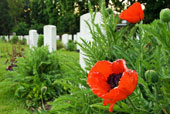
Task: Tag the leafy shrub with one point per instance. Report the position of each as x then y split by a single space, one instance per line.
35 75
14 39
59 44
71 46
40 40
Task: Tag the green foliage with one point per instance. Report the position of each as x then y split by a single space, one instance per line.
39 14
59 44
37 26
35 75
16 8
21 28
14 39
71 46
70 26
5 19
40 40
3 39
80 96
52 11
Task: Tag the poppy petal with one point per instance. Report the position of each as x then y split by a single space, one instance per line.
104 67
133 14
98 84
111 102
127 85
129 78
132 19
141 15
107 101
115 94
111 107
119 66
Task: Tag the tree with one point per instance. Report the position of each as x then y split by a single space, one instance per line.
83 5
38 12
68 20
52 11
16 8
5 20
27 12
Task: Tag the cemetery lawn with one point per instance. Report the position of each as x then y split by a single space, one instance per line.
9 104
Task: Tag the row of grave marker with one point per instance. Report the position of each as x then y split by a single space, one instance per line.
34 35
50 35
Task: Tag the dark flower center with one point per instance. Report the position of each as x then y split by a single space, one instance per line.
113 80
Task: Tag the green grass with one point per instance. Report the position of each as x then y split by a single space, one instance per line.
9 104
67 59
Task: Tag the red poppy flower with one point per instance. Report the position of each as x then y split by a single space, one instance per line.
133 14
112 81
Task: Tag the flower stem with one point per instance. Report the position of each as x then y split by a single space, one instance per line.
137 109
164 111
42 101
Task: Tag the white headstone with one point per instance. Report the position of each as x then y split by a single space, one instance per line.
33 37
20 37
57 37
6 38
50 37
85 32
65 39
10 37
69 37
27 39
75 37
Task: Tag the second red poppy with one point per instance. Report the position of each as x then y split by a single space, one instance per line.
133 14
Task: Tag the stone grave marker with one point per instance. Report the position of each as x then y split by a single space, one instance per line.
33 38
50 37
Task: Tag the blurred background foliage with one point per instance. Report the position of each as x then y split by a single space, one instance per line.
21 15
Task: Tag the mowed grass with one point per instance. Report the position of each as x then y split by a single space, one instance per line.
9 104
67 59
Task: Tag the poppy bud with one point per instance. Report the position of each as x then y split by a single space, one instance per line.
44 89
151 76
165 15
